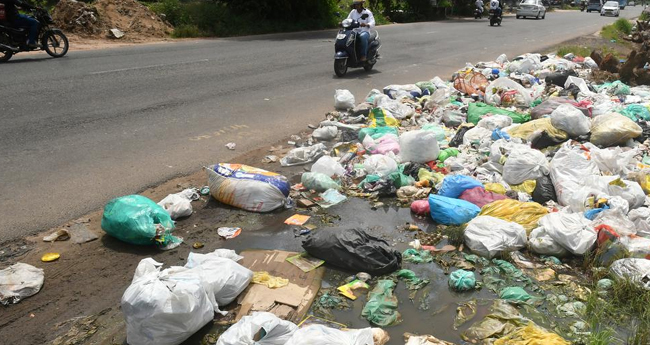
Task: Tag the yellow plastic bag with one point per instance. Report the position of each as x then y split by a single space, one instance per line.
526 214
525 130
526 187
380 118
495 188
531 335
272 282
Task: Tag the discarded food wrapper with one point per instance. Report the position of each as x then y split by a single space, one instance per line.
270 159
198 245
49 257
305 262
28 282
297 219
59 235
346 290
228 233
330 198
205 190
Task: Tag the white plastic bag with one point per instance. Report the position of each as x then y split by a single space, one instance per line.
322 335
580 83
489 236
328 166
613 129
641 219
303 155
541 243
523 164
380 165
612 160
248 188
495 121
179 205
395 108
419 146
569 167
617 220
492 98
571 230
244 332
571 120
476 135
632 193
635 270
326 133
164 308
343 100
223 279
19 281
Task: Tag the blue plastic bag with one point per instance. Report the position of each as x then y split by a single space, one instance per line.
453 186
134 219
499 134
451 211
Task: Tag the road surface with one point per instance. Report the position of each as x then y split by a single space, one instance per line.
95 125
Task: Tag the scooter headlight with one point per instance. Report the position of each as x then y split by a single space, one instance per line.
340 36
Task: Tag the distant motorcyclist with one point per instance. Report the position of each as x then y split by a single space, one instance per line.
479 6
496 6
17 20
366 22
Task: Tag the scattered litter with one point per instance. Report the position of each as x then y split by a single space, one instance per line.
297 219
305 262
59 235
19 281
228 233
231 146
347 289
272 282
49 257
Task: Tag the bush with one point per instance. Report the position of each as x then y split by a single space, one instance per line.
623 25
187 30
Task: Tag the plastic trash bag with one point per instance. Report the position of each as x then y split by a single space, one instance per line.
541 243
613 129
514 293
248 188
391 110
321 335
261 328
441 135
524 164
478 110
507 92
572 231
179 205
641 219
612 160
384 145
380 165
535 128
488 236
420 207
401 91
381 307
419 146
376 132
138 220
343 100
446 153
326 133
222 277
549 105
452 118
318 182
412 339
164 308
636 112
353 250
303 155
495 122
451 211
544 190
569 167
571 120
531 335
462 280
480 197
454 185
632 269
329 166
476 135
19 281
527 214
502 320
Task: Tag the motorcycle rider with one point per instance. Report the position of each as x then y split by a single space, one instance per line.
17 20
479 6
496 6
358 13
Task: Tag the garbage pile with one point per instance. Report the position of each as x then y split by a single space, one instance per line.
126 19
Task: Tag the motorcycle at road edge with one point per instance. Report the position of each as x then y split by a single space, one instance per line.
50 39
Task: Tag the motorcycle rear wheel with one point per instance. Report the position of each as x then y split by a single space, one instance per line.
55 44
5 56
341 67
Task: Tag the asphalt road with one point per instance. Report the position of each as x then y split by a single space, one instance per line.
95 125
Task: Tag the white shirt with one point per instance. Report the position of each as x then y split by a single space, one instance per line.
479 4
370 21
494 4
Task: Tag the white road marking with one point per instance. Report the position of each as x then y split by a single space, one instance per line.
150 66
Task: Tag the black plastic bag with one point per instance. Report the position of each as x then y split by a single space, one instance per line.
458 138
559 78
544 140
353 250
544 190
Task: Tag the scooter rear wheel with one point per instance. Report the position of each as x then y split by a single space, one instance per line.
341 67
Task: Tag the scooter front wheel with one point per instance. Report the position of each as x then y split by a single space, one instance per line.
340 67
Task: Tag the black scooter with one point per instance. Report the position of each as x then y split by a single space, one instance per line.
494 19
348 50
478 14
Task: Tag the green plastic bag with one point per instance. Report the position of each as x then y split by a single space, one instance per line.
417 257
318 182
426 85
381 308
134 219
377 132
400 179
413 282
476 111
514 293
461 280
446 153
636 112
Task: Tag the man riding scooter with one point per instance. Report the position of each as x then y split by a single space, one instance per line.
366 22
17 20
479 9
496 7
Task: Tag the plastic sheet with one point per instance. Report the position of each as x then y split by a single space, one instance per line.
419 146
19 281
531 335
303 155
381 308
478 110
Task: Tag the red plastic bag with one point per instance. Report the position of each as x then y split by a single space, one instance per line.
420 207
480 197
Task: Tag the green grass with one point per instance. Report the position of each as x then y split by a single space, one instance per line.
575 49
614 31
644 16
455 234
623 25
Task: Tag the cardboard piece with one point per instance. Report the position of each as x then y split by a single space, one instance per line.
290 302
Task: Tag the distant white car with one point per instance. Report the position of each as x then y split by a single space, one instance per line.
531 8
610 8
